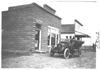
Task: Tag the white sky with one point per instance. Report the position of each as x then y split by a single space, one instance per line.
87 13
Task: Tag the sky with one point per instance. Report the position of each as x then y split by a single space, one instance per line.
85 12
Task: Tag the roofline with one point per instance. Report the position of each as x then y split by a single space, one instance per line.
67 32
46 10
66 24
4 11
25 5
19 6
83 33
49 7
78 22
83 36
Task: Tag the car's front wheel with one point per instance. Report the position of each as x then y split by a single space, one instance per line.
66 53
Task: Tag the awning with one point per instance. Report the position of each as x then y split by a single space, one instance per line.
80 34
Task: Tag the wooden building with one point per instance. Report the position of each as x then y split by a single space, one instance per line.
70 31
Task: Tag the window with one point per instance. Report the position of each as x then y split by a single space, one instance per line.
53 36
53 39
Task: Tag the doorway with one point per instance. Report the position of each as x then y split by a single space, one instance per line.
37 40
38 37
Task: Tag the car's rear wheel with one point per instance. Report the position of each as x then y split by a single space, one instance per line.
66 53
51 52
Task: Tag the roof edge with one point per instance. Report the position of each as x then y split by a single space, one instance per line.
26 5
83 33
46 10
78 22
50 7
66 24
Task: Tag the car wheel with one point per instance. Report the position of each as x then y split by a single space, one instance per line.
66 53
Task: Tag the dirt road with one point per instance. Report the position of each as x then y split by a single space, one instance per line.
36 60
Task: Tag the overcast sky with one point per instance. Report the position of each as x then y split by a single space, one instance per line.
87 13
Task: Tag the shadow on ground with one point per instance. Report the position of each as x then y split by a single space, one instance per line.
13 55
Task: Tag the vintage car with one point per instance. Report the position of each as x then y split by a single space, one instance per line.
67 48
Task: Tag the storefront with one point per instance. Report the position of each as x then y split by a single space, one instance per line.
53 36
69 31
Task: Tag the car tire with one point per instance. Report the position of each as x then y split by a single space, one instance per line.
66 53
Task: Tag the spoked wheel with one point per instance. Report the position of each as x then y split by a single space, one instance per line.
51 52
66 53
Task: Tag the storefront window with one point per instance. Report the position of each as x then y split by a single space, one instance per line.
53 36
53 39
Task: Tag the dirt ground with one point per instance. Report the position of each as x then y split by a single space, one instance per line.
36 60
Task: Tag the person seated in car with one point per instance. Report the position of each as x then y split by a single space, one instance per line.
71 45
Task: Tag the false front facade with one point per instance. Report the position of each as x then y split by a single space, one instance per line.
30 27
